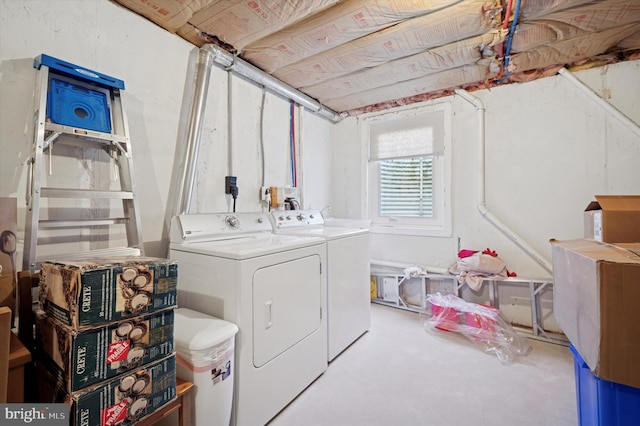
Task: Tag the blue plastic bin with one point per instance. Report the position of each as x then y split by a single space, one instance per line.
74 105
601 402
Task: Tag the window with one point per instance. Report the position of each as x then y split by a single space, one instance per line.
406 187
409 171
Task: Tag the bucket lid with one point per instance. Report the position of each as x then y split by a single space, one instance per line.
196 331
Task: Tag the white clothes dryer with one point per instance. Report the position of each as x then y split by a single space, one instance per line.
233 267
348 273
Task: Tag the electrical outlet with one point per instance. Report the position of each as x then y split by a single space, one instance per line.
264 193
229 184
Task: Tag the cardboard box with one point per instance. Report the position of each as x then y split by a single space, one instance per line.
613 219
86 292
597 305
123 400
8 253
84 358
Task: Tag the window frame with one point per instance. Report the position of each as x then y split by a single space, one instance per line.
440 224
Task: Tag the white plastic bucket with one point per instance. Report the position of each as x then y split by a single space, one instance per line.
205 349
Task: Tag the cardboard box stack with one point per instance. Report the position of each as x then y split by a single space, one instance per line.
106 337
596 299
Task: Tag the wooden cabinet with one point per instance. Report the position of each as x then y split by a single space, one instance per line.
18 357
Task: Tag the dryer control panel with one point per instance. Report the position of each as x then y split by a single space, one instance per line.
212 226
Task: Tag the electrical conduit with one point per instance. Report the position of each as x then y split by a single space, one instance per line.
482 206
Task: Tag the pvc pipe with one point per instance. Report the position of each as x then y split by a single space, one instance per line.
245 69
428 269
194 129
482 206
616 113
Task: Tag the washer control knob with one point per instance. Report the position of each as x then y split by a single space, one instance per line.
288 217
260 220
311 216
300 216
281 217
232 222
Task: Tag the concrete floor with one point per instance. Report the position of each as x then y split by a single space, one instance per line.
399 374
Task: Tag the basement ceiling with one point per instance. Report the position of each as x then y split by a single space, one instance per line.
367 55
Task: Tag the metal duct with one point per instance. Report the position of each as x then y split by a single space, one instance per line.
198 103
245 69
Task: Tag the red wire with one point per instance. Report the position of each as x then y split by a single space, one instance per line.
293 144
505 24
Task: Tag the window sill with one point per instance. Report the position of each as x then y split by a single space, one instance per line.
416 231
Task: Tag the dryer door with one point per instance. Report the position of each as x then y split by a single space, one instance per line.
286 306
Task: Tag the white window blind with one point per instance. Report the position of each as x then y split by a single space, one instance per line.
404 137
406 187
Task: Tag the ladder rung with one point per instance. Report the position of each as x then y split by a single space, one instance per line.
85 193
81 143
76 131
81 222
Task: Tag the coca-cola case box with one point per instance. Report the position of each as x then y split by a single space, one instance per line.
84 358
82 293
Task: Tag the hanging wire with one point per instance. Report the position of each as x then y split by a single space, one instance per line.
507 53
505 25
292 140
262 103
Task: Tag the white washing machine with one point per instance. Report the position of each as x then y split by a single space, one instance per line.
348 274
233 267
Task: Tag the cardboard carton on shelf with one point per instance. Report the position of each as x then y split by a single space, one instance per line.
122 400
82 293
613 219
597 305
84 358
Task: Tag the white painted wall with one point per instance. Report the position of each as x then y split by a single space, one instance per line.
549 150
103 36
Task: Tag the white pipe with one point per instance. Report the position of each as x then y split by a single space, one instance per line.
431 269
616 113
482 206
245 69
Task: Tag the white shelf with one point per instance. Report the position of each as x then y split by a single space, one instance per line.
393 290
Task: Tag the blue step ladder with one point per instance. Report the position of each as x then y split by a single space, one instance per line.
81 109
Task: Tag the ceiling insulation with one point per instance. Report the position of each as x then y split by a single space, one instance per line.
365 55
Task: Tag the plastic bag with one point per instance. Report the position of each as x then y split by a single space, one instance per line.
483 325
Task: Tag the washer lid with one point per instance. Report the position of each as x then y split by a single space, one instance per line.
326 232
195 331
